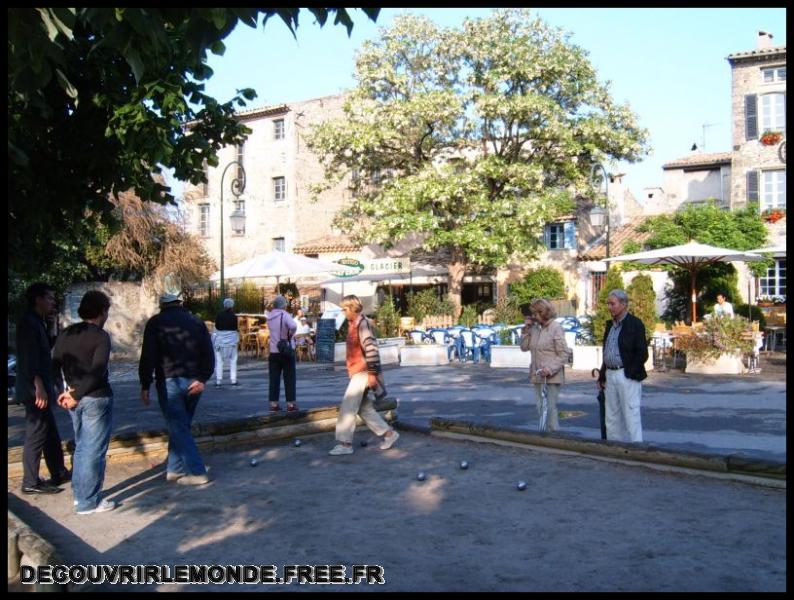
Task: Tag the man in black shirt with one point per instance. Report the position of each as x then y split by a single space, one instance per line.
35 391
177 347
80 360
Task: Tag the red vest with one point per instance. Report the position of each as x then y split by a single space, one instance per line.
355 355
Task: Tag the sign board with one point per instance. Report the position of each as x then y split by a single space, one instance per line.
349 262
376 266
325 340
387 265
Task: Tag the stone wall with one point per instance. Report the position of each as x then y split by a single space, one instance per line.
131 306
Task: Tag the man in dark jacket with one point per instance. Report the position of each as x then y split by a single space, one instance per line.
35 390
623 369
177 347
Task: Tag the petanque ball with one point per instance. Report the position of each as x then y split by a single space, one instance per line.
464 465
253 462
521 486
363 443
297 443
420 476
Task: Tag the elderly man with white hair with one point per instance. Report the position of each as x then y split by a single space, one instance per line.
225 341
623 369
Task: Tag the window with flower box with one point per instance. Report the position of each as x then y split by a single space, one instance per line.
774 283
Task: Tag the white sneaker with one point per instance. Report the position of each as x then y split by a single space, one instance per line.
193 480
341 449
103 506
169 476
389 441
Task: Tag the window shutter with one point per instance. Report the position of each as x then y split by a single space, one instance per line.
547 236
751 117
752 186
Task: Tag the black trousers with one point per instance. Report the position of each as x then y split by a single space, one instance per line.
278 365
41 435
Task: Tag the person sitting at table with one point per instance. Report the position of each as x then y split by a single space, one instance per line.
303 335
723 308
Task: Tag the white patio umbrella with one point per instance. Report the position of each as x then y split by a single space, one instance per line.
280 264
691 256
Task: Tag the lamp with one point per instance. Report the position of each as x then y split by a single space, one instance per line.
599 217
237 217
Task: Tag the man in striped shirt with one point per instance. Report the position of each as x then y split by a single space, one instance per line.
363 366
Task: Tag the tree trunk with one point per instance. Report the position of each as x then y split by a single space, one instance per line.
456 270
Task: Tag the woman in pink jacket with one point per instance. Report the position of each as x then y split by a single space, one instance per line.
545 339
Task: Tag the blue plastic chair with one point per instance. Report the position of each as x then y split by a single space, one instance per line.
470 345
487 338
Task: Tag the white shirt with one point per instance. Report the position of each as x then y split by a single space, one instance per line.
303 329
723 310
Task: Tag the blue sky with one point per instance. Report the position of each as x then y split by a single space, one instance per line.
667 63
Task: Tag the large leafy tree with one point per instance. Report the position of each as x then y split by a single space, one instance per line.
99 99
472 138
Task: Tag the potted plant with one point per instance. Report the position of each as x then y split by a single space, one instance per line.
774 215
718 346
770 138
769 300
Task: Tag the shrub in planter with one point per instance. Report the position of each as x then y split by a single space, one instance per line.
720 335
387 318
468 317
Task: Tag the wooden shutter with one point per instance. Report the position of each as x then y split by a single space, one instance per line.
751 117
752 186
547 236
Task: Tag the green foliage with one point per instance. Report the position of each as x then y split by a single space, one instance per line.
740 230
468 317
642 302
387 318
101 98
710 281
720 335
543 282
614 281
289 287
508 311
750 311
483 132
425 303
248 298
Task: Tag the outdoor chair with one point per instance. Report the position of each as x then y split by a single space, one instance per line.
443 337
417 336
487 338
263 342
304 350
470 345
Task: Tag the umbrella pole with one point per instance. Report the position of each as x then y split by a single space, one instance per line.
694 297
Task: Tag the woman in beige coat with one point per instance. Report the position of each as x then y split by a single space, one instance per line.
545 339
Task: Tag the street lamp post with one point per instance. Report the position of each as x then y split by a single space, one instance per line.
238 185
598 215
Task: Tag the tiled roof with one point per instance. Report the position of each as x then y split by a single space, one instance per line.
262 111
753 53
617 238
700 160
325 244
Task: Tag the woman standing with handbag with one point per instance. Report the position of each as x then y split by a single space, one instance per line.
282 355
545 339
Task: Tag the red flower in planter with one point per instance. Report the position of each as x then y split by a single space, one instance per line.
774 216
770 138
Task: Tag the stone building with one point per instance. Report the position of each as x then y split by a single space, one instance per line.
277 202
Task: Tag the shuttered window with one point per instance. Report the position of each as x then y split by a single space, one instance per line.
751 117
752 186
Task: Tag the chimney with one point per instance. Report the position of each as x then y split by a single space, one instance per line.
764 40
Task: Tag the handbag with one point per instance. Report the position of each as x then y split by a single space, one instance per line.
283 346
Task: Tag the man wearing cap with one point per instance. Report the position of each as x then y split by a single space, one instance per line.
177 348
225 341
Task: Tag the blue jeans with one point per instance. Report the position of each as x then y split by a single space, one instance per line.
178 409
92 420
